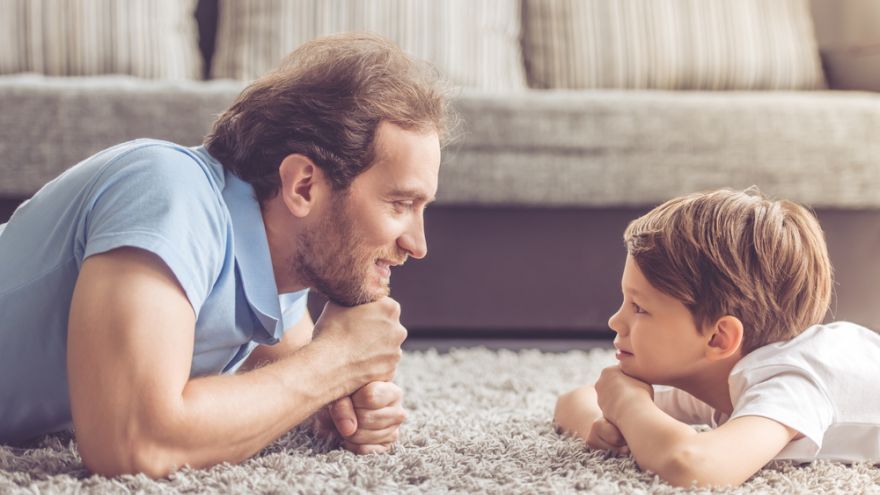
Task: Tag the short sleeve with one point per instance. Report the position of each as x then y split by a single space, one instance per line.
788 397
160 199
682 406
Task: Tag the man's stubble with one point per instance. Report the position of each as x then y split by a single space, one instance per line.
331 259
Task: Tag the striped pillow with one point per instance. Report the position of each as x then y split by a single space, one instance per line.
472 42
671 44
146 38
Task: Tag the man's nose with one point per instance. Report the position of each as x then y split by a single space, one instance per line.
413 240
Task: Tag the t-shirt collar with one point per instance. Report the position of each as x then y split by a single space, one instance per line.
252 257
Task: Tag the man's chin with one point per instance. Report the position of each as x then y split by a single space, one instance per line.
365 297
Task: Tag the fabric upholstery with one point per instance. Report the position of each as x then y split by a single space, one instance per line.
533 148
145 38
474 43
671 44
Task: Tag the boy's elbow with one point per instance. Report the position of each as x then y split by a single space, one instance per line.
689 465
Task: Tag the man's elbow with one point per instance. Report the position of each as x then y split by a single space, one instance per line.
128 456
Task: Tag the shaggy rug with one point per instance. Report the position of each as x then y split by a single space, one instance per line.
480 422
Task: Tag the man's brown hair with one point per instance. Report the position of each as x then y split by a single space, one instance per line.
737 253
325 101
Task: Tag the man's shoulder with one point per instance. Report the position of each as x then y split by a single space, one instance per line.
160 162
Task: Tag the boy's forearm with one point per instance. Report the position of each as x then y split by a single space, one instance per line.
658 442
577 410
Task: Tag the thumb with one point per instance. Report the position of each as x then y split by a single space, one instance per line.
343 416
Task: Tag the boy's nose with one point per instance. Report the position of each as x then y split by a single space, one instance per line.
614 322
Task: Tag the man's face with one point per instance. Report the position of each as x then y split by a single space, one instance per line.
657 340
374 225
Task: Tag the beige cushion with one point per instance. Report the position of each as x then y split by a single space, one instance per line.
145 38
671 44
474 43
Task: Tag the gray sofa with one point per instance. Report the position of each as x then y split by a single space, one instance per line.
534 195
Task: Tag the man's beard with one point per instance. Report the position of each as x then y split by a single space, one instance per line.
330 259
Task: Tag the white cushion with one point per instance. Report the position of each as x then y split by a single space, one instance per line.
474 43
145 38
671 44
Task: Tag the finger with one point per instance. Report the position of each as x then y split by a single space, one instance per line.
385 435
594 441
377 419
609 433
376 395
361 449
344 417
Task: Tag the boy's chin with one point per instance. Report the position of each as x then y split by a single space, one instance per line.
639 374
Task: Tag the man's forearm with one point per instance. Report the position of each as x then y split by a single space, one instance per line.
231 417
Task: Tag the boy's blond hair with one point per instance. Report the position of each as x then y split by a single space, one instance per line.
737 253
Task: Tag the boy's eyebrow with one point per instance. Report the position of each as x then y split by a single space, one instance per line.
633 292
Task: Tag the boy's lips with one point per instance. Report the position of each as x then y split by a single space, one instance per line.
621 353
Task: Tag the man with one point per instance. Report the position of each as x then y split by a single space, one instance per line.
145 292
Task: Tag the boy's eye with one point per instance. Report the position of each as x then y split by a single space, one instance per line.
638 309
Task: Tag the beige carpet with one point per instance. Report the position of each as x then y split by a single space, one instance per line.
479 423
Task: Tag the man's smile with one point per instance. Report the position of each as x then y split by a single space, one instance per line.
384 267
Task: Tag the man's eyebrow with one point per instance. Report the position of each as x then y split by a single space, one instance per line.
411 194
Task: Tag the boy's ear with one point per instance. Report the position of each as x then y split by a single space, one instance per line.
301 181
725 338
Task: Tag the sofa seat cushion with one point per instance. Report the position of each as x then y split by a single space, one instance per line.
533 148
606 147
51 123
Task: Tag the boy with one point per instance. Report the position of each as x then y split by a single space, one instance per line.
720 291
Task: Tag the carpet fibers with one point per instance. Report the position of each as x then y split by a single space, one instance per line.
479 422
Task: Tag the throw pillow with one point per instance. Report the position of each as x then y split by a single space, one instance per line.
145 38
472 42
671 44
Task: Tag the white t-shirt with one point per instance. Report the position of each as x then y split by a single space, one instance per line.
824 383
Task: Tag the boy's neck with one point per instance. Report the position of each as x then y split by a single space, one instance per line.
711 386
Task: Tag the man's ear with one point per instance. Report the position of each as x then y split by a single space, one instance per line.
301 181
725 338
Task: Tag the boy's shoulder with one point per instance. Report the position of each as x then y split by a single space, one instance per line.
820 346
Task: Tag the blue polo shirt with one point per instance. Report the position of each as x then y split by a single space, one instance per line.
173 201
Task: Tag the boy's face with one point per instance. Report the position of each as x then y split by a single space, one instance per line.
657 340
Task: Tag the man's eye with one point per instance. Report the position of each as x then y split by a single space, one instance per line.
403 205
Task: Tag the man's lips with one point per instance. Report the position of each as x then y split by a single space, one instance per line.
384 267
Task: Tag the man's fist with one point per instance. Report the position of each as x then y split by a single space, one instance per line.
366 337
369 421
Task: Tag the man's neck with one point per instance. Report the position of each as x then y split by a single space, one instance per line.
281 237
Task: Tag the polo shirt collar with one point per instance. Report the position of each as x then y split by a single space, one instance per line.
252 256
